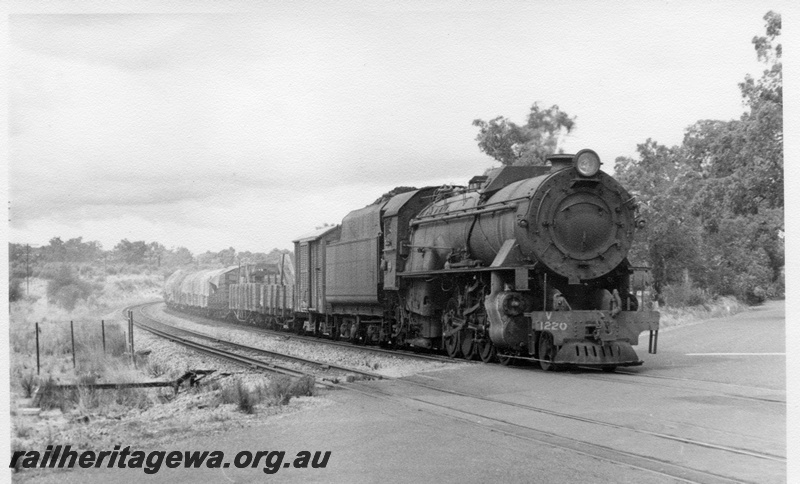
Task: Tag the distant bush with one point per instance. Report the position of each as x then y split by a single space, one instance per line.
66 288
17 270
125 285
14 290
86 270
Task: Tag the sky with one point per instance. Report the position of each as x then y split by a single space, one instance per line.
211 125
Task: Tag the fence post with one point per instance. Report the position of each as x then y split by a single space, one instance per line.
130 331
72 333
37 348
103 329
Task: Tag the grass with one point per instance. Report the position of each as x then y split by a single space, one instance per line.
88 400
93 363
23 431
236 392
282 389
720 307
279 391
55 333
28 382
85 408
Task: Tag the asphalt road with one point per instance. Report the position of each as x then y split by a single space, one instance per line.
709 407
747 349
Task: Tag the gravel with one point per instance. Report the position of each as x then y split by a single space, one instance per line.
385 365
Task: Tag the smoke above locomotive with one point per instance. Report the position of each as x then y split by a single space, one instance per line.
525 262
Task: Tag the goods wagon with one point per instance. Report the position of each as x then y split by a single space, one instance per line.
205 292
263 294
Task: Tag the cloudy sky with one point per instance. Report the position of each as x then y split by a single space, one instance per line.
219 125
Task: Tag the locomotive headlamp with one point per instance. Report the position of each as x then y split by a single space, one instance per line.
587 163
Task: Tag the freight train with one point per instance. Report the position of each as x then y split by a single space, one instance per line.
524 262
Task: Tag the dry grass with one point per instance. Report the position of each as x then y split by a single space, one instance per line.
721 307
93 363
237 392
87 413
282 389
85 399
279 391
28 382
55 339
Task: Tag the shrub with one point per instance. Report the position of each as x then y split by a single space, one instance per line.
14 290
244 398
278 390
684 295
89 342
50 397
23 431
17 270
282 389
303 387
28 383
156 369
65 288
86 397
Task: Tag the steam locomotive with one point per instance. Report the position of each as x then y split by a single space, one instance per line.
525 262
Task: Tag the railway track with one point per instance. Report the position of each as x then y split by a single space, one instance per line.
731 389
639 379
150 324
489 413
622 375
633 447
329 342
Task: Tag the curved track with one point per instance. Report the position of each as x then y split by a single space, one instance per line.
148 323
330 342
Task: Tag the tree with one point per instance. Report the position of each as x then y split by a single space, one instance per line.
743 159
715 203
131 252
227 257
178 257
156 252
661 181
511 144
55 251
770 87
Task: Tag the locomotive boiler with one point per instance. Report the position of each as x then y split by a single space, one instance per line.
528 262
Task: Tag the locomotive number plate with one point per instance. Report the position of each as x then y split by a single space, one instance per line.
551 326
